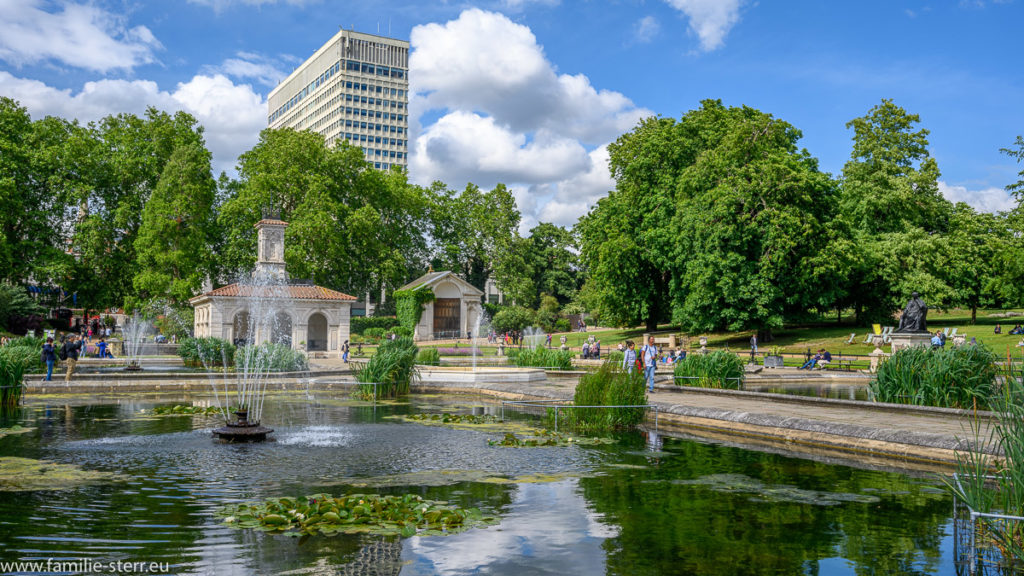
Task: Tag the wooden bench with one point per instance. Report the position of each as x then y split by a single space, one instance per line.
840 363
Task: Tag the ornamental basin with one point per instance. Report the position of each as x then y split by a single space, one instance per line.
481 374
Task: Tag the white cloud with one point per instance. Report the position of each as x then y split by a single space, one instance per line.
506 115
220 5
248 65
710 20
80 35
990 199
231 114
646 29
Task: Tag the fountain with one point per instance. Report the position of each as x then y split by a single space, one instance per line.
135 330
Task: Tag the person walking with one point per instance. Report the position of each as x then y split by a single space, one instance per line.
49 358
629 357
649 356
71 349
344 352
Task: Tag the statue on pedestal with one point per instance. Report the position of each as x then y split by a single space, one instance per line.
914 316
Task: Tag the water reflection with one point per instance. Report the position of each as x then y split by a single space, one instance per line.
643 506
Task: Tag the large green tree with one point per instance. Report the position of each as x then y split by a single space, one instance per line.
351 227
174 239
891 203
475 233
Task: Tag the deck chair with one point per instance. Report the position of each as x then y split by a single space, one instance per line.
869 337
887 334
953 333
945 332
852 336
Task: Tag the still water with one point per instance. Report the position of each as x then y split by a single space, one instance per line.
645 505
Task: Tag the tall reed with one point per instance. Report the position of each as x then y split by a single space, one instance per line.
541 357
15 362
608 386
961 377
428 357
392 368
717 369
998 488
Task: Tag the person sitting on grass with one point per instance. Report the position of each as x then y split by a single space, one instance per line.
812 362
998 330
1017 330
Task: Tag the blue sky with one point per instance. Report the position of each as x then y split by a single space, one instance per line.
529 92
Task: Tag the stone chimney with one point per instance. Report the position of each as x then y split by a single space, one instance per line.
270 249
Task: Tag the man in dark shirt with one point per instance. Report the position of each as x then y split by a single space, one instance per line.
72 347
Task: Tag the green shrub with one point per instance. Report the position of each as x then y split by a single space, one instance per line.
206 352
717 369
392 368
961 377
562 325
28 342
271 357
373 333
609 386
428 357
400 331
512 318
616 357
541 357
361 323
15 362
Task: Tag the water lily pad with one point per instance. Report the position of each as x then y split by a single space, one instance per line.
16 429
389 515
775 493
24 474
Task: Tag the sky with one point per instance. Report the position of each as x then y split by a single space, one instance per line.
529 93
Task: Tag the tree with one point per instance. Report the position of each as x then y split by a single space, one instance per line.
970 257
350 227
173 243
890 200
475 233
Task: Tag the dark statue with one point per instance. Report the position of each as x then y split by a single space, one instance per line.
914 316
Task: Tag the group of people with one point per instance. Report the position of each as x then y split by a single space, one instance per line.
646 358
820 360
592 349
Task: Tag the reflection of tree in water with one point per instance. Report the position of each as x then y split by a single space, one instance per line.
670 527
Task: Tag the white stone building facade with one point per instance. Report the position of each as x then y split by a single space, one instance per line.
456 310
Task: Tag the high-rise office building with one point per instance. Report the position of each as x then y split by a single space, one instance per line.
355 88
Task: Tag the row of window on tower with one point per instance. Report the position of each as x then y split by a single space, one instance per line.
361 138
351 66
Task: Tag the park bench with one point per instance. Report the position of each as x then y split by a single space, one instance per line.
840 363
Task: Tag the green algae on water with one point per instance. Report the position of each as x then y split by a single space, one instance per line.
405 516
544 438
775 493
16 429
434 478
26 474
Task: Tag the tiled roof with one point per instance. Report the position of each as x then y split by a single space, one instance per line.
272 222
297 292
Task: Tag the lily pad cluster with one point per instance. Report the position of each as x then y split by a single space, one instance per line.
16 429
447 418
546 438
26 474
408 515
181 410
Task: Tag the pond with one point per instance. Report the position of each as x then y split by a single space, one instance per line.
646 504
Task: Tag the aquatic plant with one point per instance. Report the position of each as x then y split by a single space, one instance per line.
447 418
406 516
206 352
541 357
997 487
960 377
26 474
15 362
428 357
182 410
392 368
717 369
608 386
546 438
16 429
616 357
271 357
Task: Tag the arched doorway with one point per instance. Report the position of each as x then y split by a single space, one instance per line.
281 331
241 329
316 333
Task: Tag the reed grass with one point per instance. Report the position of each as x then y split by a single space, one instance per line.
541 357
608 386
392 368
206 352
428 357
717 369
15 362
271 357
962 377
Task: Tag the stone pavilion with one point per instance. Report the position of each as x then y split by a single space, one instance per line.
456 308
306 317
